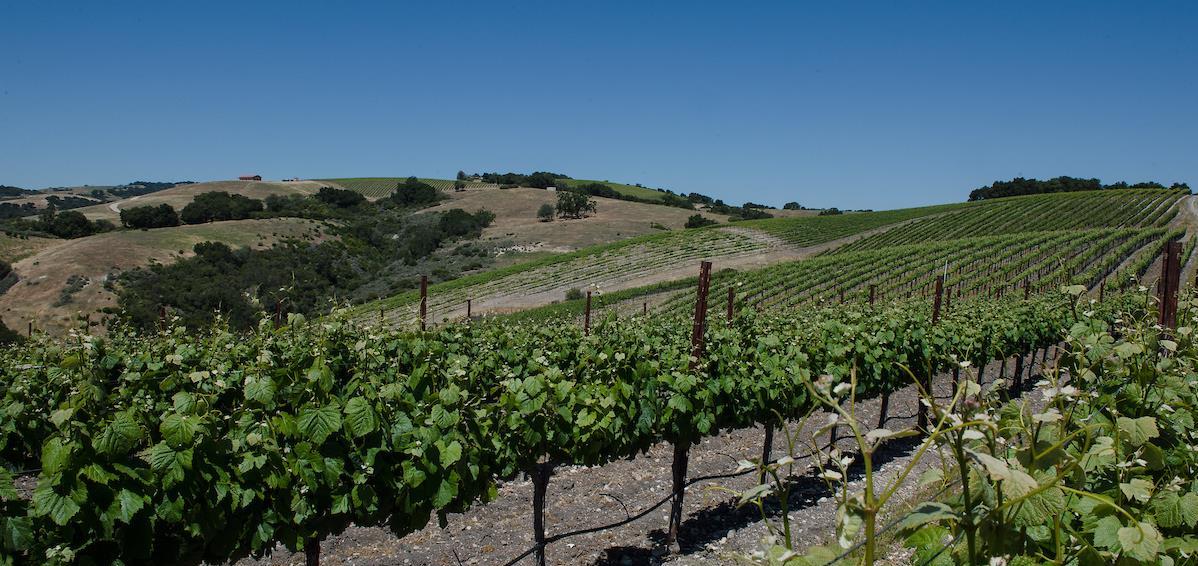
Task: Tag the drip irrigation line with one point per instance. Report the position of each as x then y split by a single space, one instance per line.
632 518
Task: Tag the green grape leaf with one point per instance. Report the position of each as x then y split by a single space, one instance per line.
451 454
1138 431
445 494
1143 543
178 430
18 533
126 505
360 419
49 503
119 437
260 389
1106 533
317 423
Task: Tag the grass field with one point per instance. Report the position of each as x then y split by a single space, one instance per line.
13 249
181 196
44 274
516 219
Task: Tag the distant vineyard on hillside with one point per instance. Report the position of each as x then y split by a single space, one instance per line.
1065 211
984 266
811 230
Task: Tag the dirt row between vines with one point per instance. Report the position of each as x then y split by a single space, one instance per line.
714 531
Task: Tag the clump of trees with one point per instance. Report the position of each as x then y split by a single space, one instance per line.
145 217
792 205
66 224
413 192
1064 184
375 241
536 179
606 191
10 210
545 213
219 205
10 191
737 213
830 211
574 205
340 198
699 221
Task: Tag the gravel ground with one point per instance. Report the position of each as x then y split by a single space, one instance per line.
714 529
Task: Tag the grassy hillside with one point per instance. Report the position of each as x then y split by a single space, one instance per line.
13 248
90 262
516 222
181 196
986 245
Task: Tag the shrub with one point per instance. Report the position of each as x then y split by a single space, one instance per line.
574 294
340 198
574 205
414 192
142 217
545 213
699 221
219 205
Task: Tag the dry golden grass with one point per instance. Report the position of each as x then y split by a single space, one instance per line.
516 218
44 274
181 196
13 249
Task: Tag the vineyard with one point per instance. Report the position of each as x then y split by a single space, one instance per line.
548 280
198 444
812 230
380 187
1074 211
178 446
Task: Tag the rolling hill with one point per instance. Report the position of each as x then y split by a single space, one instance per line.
1106 232
181 196
86 264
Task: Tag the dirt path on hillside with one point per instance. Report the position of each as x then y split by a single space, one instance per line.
714 530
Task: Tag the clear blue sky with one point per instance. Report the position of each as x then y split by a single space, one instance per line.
856 105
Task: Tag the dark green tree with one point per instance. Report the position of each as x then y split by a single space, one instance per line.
144 217
413 192
340 198
574 205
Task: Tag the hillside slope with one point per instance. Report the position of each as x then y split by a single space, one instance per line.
646 260
516 218
93 260
181 196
